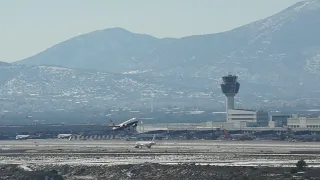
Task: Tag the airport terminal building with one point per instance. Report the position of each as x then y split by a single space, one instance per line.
304 122
279 120
247 118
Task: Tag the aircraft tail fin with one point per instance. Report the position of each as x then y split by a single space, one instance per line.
111 123
154 137
226 134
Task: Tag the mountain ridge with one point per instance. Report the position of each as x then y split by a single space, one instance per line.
277 60
215 40
4 63
116 30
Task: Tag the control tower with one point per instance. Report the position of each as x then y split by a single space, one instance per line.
230 87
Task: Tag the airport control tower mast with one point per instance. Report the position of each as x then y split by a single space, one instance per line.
230 87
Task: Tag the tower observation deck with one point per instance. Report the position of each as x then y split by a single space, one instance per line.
230 87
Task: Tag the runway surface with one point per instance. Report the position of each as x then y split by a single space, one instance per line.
96 152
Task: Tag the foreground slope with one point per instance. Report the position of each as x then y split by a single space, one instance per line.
155 172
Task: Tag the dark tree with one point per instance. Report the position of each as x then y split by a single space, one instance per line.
301 164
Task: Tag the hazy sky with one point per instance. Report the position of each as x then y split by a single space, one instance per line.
30 26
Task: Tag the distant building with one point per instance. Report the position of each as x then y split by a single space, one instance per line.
304 122
250 118
273 124
279 120
222 125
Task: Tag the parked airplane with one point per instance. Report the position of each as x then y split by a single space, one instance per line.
64 136
131 122
147 144
22 137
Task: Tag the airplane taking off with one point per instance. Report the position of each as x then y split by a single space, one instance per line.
131 122
147 144
22 137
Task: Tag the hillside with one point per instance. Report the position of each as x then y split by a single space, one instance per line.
277 60
4 63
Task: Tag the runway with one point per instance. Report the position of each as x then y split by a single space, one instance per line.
111 152
172 145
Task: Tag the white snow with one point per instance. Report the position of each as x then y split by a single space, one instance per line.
137 71
313 64
24 167
304 5
55 68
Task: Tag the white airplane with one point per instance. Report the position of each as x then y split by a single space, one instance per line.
147 144
131 122
21 137
64 136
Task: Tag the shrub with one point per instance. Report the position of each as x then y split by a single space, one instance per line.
287 175
301 164
54 171
293 170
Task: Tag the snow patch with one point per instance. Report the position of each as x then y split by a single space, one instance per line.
313 64
137 71
55 68
26 168
297 9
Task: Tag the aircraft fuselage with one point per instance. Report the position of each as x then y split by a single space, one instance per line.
147 144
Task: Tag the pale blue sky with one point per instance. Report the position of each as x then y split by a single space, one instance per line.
31 26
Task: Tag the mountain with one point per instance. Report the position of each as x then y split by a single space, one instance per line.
43 88
4 63
292 33
277 60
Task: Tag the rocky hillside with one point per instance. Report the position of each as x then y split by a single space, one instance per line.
41 88
277 60
25 89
